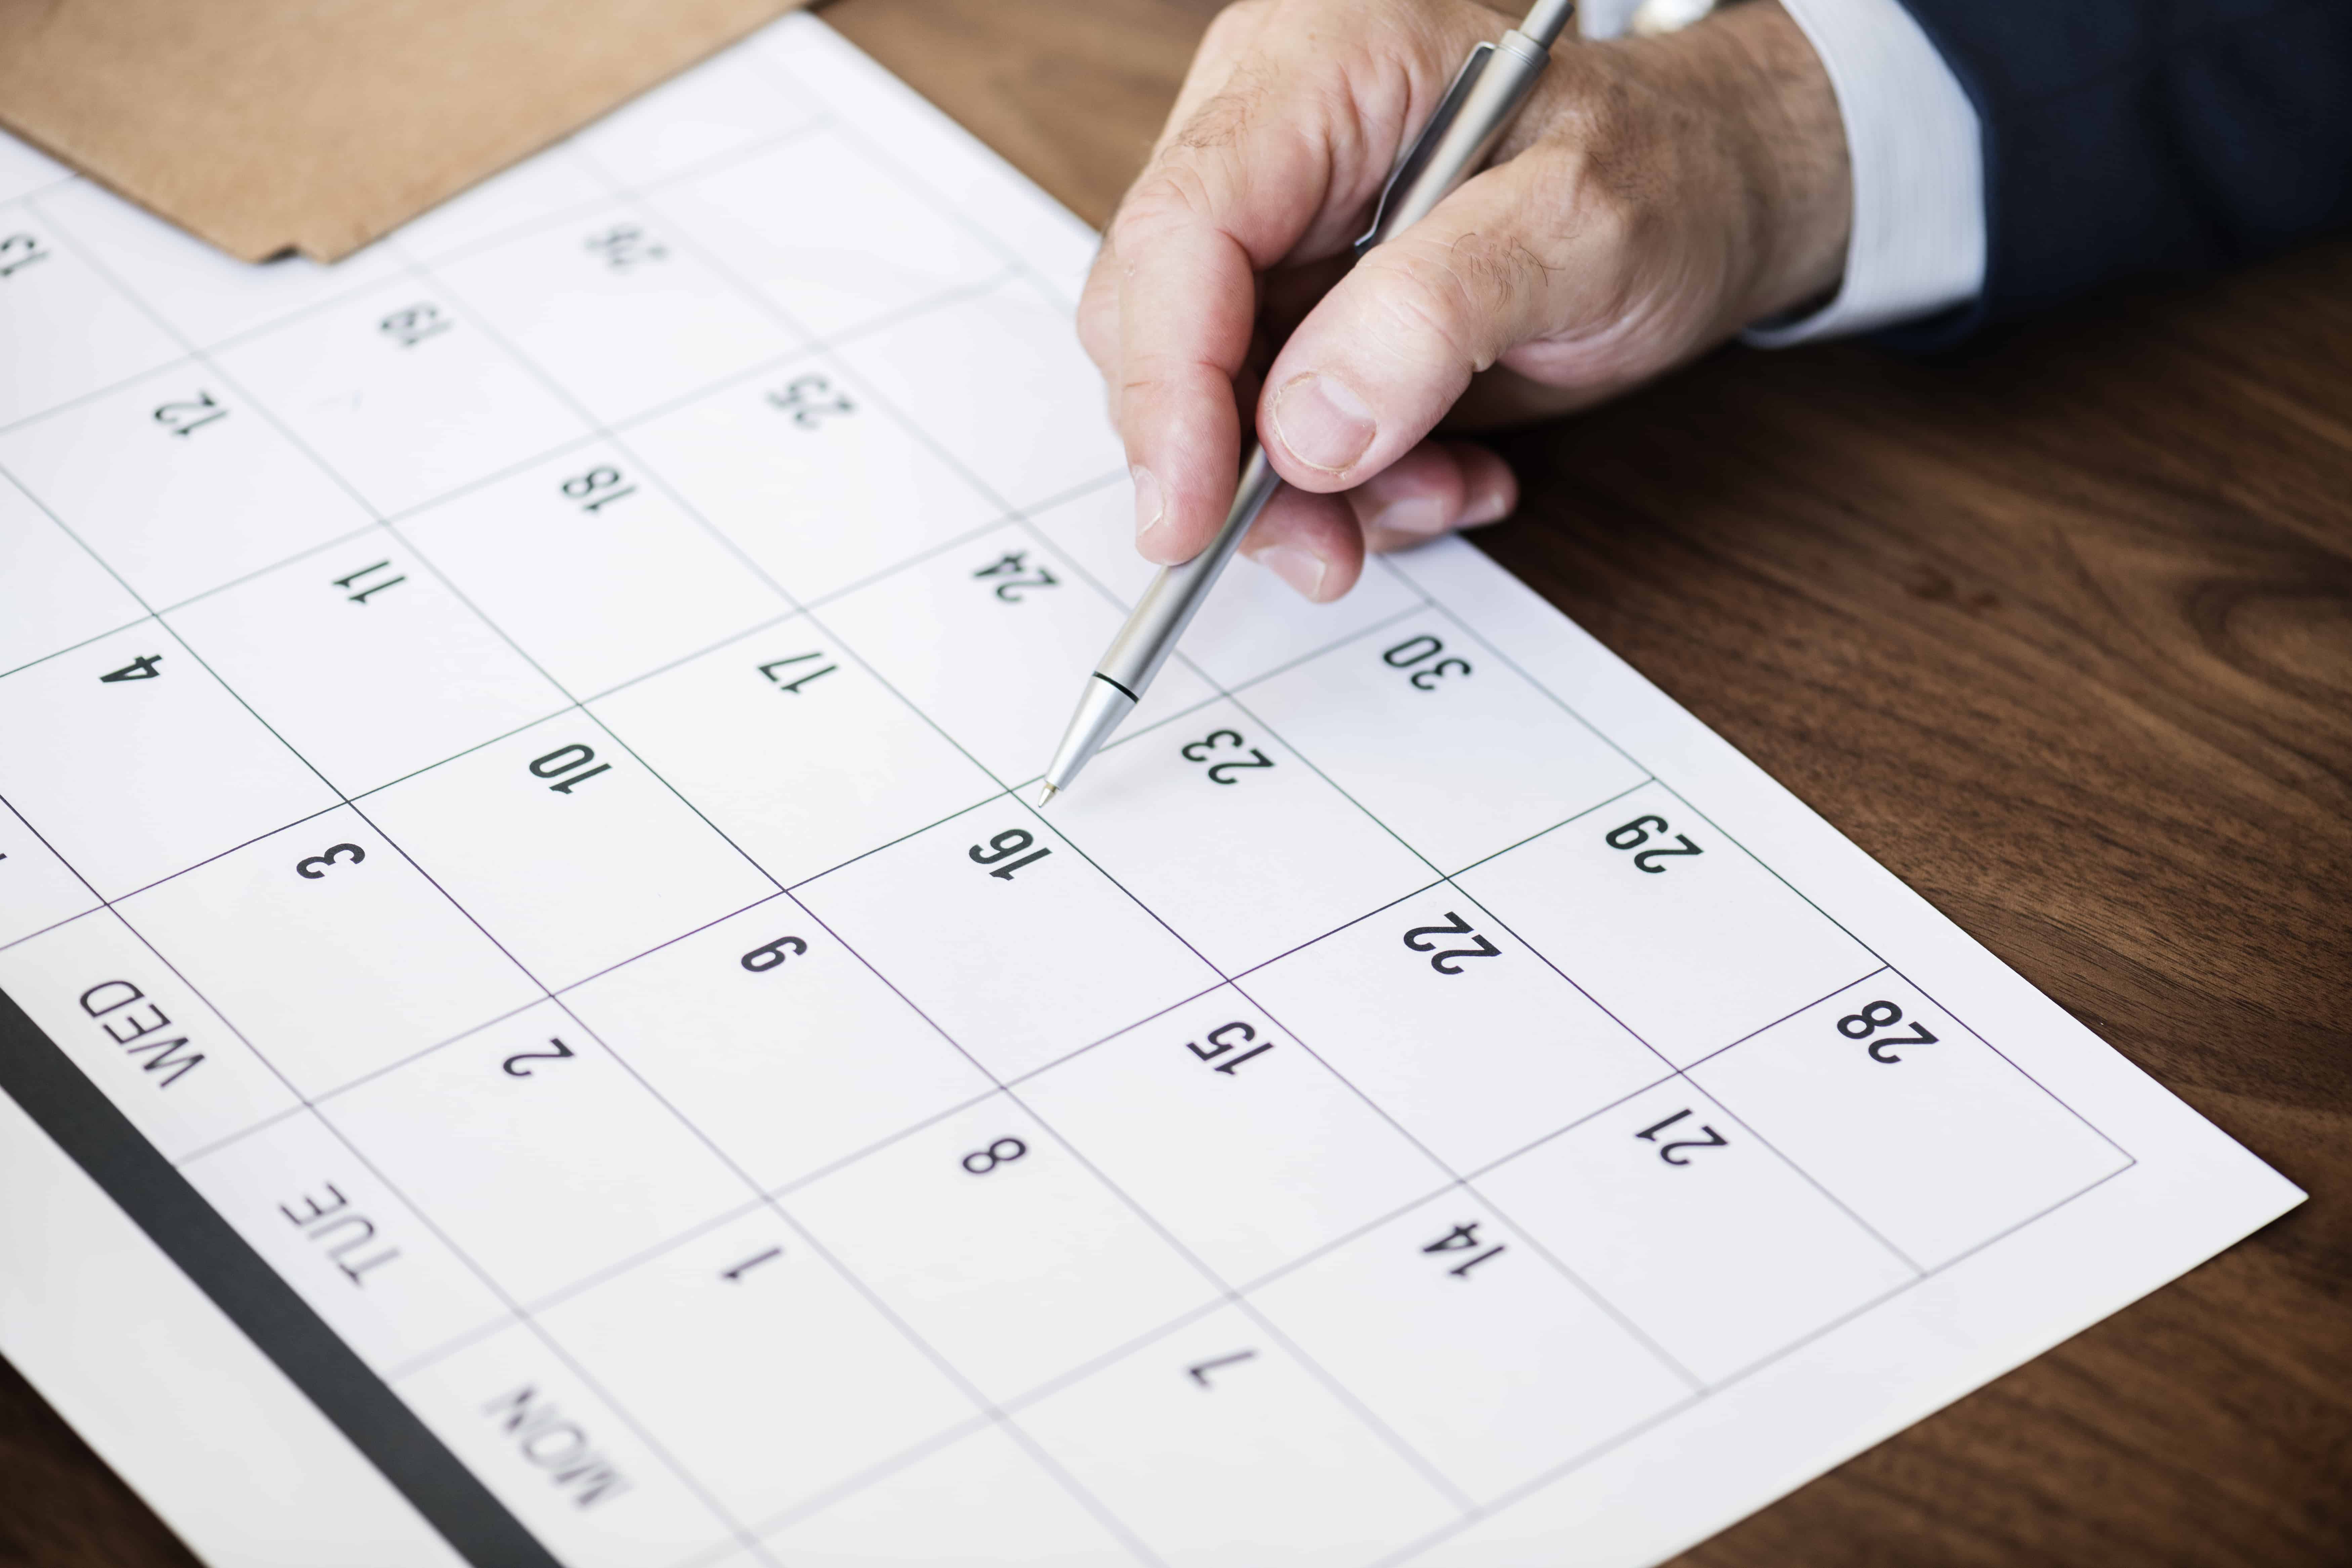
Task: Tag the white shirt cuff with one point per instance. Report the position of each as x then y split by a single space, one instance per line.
1919 240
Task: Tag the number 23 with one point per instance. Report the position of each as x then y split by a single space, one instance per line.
1226 770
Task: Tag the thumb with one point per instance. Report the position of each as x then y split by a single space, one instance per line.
1384 355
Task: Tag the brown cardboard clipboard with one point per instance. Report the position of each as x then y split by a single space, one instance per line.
317 125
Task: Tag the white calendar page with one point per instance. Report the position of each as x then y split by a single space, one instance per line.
556 1034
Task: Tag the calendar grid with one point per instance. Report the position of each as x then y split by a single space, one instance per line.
1530 1487
1232 1294
645 1436
1024 1088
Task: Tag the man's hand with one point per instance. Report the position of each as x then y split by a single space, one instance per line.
1656 196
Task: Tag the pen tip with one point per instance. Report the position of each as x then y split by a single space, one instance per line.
1047 798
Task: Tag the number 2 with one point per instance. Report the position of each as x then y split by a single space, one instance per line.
190 414
1011 567
1713 1140
411 325
1455 926
18 251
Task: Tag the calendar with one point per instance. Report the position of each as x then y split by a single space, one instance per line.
547 1026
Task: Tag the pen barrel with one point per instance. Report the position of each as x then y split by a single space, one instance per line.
1175 595
1494 84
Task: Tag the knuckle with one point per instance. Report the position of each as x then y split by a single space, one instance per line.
1463 294
1232 24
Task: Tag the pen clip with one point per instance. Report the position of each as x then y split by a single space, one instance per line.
1409 167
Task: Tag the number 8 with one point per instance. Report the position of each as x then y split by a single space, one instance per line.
1870 1020
1003 1151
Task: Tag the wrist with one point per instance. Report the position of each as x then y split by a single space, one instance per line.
1788 138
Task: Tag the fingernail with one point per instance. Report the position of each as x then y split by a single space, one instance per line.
1322 422
1302 569
1149 509
1492 507
1420 515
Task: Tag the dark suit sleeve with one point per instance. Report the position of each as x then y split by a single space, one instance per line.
2138 137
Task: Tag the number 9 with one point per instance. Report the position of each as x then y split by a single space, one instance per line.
1012 841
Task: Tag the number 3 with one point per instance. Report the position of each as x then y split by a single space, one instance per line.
314 867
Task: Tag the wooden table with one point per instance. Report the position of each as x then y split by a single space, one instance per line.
2062 633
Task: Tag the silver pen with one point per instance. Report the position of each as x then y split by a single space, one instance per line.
1477 110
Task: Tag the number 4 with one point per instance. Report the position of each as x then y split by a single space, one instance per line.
1461 1239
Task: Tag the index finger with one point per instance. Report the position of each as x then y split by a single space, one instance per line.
1280 160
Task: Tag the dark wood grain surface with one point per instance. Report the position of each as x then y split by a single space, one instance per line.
2062 633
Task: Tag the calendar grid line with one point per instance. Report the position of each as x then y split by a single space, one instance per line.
747 1526
1575 1278
692 1483
719 536
74 647
1526 1490
392 246
1987 1041
928 553
1141 1211
530 1325
338 543
98 899
1645 780
813 346
761 1200
1508 1155
1884 968
571 147
1859 942
1560 1472
1466 1183
1222 981
1599 1297
1331 1383
1013 1428
434 1354
1810 1180
972 1391
105 902
1562 704
201 356
547 994
79 543
848 129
